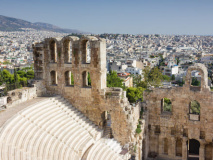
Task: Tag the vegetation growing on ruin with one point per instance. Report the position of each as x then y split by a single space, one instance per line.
88 79
194 107
72 79
195 82
167 105
138 130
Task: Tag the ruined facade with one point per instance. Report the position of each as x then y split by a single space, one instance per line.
185 130
63 67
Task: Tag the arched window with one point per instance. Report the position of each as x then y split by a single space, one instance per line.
194 146
86 79
67 45
195 78
69 79
53 51
166 105
86 52
53 77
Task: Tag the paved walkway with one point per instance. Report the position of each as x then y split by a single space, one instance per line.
10 112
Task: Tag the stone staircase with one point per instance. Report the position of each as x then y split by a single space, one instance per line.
108 132
54 129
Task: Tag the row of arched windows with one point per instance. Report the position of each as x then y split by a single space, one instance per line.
69 78
67 51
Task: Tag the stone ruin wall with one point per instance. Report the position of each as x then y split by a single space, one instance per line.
177 125
92 101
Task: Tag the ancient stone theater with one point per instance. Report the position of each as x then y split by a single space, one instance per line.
69 114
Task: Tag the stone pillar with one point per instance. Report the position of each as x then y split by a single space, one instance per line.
202 151
172 148
161 144
184 149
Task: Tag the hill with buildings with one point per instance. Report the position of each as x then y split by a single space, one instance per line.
14 24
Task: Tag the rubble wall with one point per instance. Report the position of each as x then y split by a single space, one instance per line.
179 125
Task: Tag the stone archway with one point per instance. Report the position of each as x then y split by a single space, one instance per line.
193 149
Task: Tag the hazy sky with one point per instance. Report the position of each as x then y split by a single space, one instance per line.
117 16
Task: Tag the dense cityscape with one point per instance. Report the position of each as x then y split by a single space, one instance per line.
126 54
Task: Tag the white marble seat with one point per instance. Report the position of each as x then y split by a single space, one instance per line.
53 129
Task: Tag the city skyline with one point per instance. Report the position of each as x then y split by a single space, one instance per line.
130 17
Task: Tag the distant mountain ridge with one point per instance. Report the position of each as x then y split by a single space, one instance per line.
14 24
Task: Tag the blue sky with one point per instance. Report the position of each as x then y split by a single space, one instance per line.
117 16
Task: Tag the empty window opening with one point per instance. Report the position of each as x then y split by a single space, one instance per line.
53 76
86 79
157 129
178 147
69 79
194 107
185 132
67 51
166 105
86 52
166 146
195 78
194 111
53 51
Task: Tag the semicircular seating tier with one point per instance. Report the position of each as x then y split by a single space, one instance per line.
52 129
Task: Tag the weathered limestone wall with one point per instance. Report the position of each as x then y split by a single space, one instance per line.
92 100
18 96
176 127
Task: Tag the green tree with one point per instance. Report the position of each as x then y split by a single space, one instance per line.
133 94
146 73
1 77
21 73
195 82
136 79
152 76
15 76
173 77
30 74
113 80
178 61
166 78
142 84
7 76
